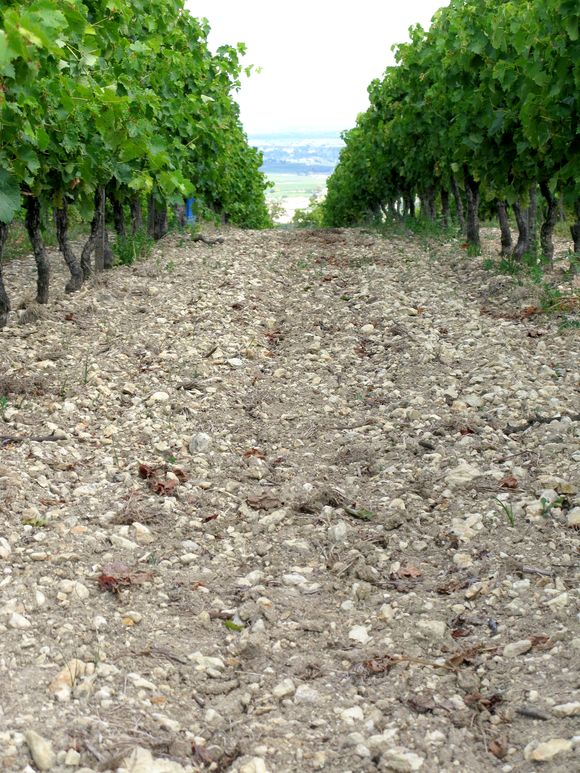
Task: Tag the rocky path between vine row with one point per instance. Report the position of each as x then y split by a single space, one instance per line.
303 501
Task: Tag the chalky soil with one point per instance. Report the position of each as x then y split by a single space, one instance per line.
309 502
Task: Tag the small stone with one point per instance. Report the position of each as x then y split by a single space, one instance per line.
188 558
134 617
462 560
540 752
142 761
432 629
41 750
199 444
294 578
284 689
72 759
18 621
401 760
517 648
567 709
560 602
123 543
255 765
386 613
353 714
81 591
158 397
306 694
141 683
359 633
338 532
142 533
61 686
353 740
462 476
235 362
382 743
573 518
5 549
367 329
476 589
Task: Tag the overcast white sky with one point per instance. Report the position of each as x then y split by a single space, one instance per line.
317 56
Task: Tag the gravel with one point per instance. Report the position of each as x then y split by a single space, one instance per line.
298 501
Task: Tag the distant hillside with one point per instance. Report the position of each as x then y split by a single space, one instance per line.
297 153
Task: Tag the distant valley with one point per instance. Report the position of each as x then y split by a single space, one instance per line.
298 165
299 153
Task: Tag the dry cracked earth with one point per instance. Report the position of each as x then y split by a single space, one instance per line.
301 501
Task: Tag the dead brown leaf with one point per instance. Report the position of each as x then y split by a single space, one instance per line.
483 702
159 481
510 481
461 633
541 641
422 704
117 575
254 452
499 747
466 657
453 586
263 502
407 571
379 665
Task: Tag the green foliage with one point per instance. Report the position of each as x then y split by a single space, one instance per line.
125 94
312 216
488 95
276 210
570 324
508 511
133 247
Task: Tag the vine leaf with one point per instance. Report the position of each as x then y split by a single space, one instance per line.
9 197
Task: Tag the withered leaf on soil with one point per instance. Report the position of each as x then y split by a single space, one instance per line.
542 642
422 704
158 481
378 665
454 585
466 657
461 633
510 481
499 747
254 452
117 575
263 502
409 571
201 755
147 471
164 488
483 702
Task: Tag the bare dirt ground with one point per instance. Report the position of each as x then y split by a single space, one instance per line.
300 501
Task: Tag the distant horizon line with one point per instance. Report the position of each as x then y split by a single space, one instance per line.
297 132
